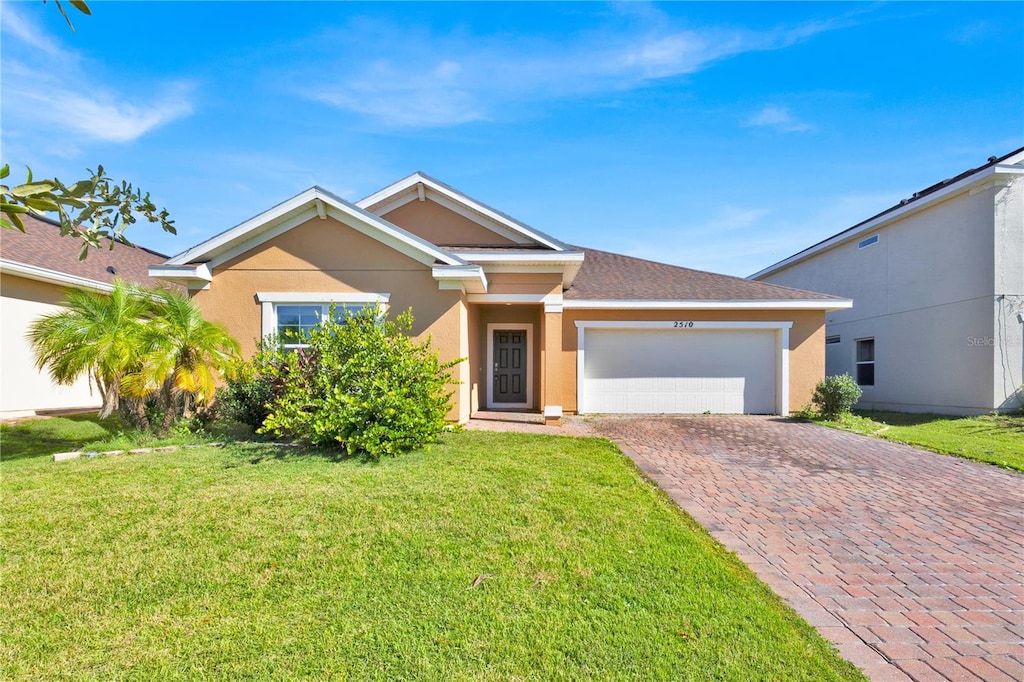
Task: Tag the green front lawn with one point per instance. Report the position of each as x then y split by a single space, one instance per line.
490 556
990 438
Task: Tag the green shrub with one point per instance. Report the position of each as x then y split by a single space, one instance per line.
807 412
362 384
835 395
248 392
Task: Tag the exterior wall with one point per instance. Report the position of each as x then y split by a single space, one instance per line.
439 225
540 283
924 292
806 343
24 390
1008 332
325 256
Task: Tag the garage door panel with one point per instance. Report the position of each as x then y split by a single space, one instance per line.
682 372
686 395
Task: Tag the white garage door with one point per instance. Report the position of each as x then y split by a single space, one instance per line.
654 371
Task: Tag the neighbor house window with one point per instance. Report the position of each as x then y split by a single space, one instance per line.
833 339
864 243
290 316
866 362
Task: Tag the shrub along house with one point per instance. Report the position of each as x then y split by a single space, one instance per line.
543 326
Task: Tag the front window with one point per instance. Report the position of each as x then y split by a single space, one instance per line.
866 362
296 320
290 316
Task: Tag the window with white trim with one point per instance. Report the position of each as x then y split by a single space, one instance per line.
865 362
290 316
295 321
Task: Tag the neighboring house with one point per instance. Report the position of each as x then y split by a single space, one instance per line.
35 269
937 283
542 325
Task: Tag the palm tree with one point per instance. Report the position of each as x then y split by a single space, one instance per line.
98 335
182 356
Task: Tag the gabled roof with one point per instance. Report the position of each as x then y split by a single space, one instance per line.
315 201
1008 164
420 185
40 253
610 278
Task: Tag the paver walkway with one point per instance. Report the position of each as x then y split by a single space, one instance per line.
910 562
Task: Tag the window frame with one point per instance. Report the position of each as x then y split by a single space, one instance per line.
269 302
858 363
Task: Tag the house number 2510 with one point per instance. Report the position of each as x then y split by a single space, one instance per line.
682 325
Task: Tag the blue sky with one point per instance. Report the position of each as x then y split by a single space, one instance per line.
720 136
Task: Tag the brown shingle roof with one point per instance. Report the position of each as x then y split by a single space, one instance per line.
41 245
611 276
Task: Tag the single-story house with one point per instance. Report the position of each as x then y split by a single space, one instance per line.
542 325
35 269
938 286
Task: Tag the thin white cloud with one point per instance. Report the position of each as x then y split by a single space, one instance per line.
50 94
779 118
406 78
16 25
401 99
105 117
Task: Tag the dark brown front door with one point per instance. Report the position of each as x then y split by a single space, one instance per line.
509 366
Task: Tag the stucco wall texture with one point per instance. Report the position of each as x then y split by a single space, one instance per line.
24 390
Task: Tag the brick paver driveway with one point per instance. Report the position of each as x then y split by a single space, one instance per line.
911 562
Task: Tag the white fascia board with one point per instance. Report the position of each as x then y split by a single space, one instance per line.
892 216
521 257
197 271
315 201
467 278
202 250
392 235
420 192
778 304
40 274
321 297
675 324
465 200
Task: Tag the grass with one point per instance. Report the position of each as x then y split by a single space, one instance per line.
996 439
489 556
32 438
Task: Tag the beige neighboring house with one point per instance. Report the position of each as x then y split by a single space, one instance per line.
35 269
543 326
938 288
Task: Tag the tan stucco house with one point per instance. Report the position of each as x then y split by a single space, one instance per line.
543 326
36 267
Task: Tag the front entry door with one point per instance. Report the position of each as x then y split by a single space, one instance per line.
509 371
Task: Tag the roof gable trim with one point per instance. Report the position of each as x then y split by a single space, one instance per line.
314 202
968 184
407 189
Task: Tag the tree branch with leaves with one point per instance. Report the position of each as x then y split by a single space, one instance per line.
91 210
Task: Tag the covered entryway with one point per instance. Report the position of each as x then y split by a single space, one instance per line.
683 367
